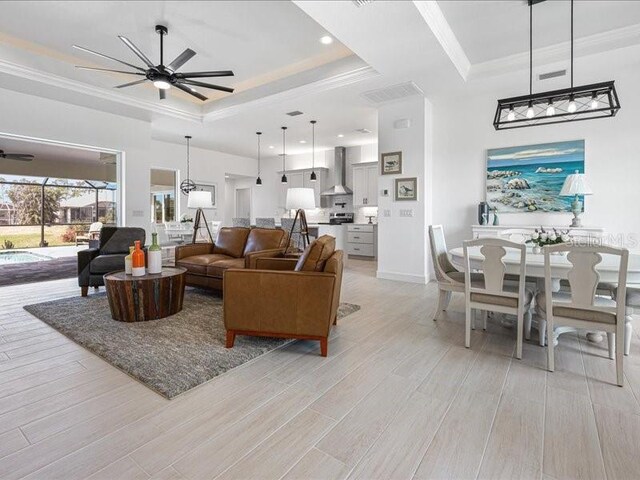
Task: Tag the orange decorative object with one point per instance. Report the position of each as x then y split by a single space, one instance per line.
137 261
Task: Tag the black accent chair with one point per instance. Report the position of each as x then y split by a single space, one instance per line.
93 263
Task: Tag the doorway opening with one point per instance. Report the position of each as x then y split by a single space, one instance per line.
54 199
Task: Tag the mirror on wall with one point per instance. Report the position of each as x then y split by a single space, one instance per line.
163 195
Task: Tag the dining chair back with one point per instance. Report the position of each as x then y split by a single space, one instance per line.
161 230
242 222
215 228
449 278
495 293
581 307
265 222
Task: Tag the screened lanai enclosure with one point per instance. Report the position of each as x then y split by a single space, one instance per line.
46 211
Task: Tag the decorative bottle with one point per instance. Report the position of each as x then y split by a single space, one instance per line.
154 257
483 213
137 261
127 261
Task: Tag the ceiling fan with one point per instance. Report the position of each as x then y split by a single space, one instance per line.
22 157
163 77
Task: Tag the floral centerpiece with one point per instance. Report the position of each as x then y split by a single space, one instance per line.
542 237
186 218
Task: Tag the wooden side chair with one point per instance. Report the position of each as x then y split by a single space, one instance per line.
581 307
449 278
494 293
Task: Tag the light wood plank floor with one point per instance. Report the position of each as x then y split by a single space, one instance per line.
398 397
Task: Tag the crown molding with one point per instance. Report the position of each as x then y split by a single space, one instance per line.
433 16
600 42
39 76
336 81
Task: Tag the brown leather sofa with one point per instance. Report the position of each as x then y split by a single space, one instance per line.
235 247
286 298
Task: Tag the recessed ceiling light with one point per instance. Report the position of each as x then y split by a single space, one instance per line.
271 146
340 135
326 40
226 176
303 141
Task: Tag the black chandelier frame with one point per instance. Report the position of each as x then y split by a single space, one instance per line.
585 102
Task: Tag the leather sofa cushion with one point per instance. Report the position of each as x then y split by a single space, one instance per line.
199 263
107 263
217 269
263 239
316 254
119 239
231 241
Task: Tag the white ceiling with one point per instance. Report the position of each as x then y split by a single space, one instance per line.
280 65
488 30
51 153
261 41
339 111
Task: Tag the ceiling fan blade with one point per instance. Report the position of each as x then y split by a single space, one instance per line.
130 84
207 85
163 93
17 156
219 73
107 56
181 59
108 70
137 51
190 91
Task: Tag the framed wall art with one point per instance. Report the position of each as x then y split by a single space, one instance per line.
391 163
406 189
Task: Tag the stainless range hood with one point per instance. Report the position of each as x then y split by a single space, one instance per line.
340 175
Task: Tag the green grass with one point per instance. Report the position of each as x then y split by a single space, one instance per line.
29 237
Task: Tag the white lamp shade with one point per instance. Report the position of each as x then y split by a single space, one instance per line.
199 199
301 198
575 184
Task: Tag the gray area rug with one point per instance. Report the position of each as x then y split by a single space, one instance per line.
171 355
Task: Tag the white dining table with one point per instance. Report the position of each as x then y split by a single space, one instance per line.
560 266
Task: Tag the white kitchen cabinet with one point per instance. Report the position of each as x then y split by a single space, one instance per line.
362 240
365 185
301 179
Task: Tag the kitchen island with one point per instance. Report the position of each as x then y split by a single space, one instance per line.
338 231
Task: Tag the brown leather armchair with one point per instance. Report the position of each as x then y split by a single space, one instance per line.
286 298
235 247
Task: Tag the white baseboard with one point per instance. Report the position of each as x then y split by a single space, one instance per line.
402 277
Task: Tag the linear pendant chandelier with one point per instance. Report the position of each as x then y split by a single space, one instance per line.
572 104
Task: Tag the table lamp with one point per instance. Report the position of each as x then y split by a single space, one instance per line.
299 199
200 199
575 185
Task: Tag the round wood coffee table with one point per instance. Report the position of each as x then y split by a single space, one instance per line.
149 297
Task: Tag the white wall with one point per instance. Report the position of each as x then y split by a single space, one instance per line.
402 241
463 132
47 119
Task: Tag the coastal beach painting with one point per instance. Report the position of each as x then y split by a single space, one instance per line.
529 178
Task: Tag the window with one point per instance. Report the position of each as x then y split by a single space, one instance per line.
163 195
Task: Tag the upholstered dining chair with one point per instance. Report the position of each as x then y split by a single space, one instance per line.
449 279
494 293
242 222
632 304
215 228
295 239
581 307
265 222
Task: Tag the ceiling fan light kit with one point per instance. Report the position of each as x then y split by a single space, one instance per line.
163 77
585 102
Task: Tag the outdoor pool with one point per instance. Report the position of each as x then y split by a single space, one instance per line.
21 257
